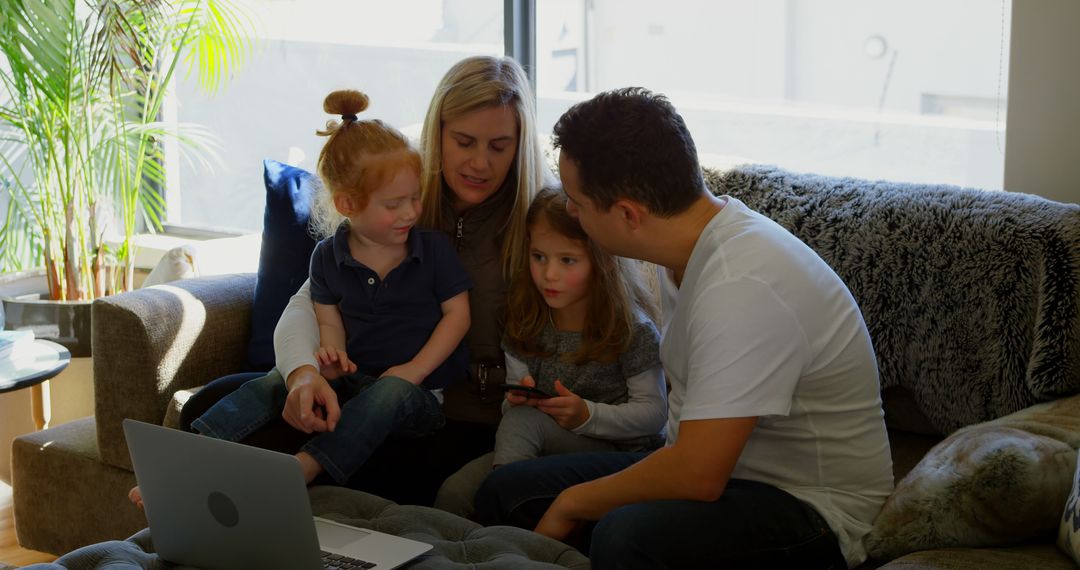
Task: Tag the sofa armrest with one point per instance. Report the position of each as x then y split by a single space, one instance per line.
151 342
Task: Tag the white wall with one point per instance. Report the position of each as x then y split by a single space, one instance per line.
1042 136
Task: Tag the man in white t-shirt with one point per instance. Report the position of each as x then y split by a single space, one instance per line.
777 454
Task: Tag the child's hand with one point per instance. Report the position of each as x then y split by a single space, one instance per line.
409 372
519 400
567 408
334 363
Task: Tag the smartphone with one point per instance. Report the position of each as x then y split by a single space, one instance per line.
527 391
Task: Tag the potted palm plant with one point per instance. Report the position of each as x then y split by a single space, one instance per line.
85 82
82 84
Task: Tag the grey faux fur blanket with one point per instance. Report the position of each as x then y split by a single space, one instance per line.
972 297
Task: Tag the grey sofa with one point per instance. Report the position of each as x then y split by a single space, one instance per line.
972 299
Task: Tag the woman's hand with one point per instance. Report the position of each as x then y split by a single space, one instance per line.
567 408
334 363
515 399
312 404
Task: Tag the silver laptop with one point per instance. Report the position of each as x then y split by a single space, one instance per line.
214 504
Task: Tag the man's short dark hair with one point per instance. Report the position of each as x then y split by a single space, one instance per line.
630 143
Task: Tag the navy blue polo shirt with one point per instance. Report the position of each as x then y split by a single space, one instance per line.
388 321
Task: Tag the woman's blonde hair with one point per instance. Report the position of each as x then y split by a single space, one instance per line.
617 293
358 158
473 84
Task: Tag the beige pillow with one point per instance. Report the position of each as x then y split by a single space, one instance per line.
177 263
992 484
220 256
1069 530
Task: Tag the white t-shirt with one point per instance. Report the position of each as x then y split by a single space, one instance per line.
761 326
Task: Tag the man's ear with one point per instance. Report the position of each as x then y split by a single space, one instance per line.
345 204
632 213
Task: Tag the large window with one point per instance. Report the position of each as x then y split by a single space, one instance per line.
905 91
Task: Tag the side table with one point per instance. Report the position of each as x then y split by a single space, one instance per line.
31 365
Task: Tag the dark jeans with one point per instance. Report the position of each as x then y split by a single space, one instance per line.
403 470
201 401
372 409
753 525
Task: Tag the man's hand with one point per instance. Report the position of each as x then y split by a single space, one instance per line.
567 408
697 467
334 363
410 372
515 399
558 522
311 405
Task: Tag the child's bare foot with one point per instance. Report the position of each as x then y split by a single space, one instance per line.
135 496
309 465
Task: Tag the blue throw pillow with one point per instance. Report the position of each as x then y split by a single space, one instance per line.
286 253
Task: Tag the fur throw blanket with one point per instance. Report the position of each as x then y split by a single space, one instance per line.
972 298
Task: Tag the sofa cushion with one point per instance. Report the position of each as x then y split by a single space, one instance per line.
286 252
176 405
1069 528
1028 557
65 496
993 484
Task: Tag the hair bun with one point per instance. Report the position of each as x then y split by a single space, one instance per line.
347 103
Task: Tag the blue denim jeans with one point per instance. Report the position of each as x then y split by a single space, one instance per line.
753 525
372 409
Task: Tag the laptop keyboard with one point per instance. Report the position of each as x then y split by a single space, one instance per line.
339 562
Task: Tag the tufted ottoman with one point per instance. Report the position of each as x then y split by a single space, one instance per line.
458 542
